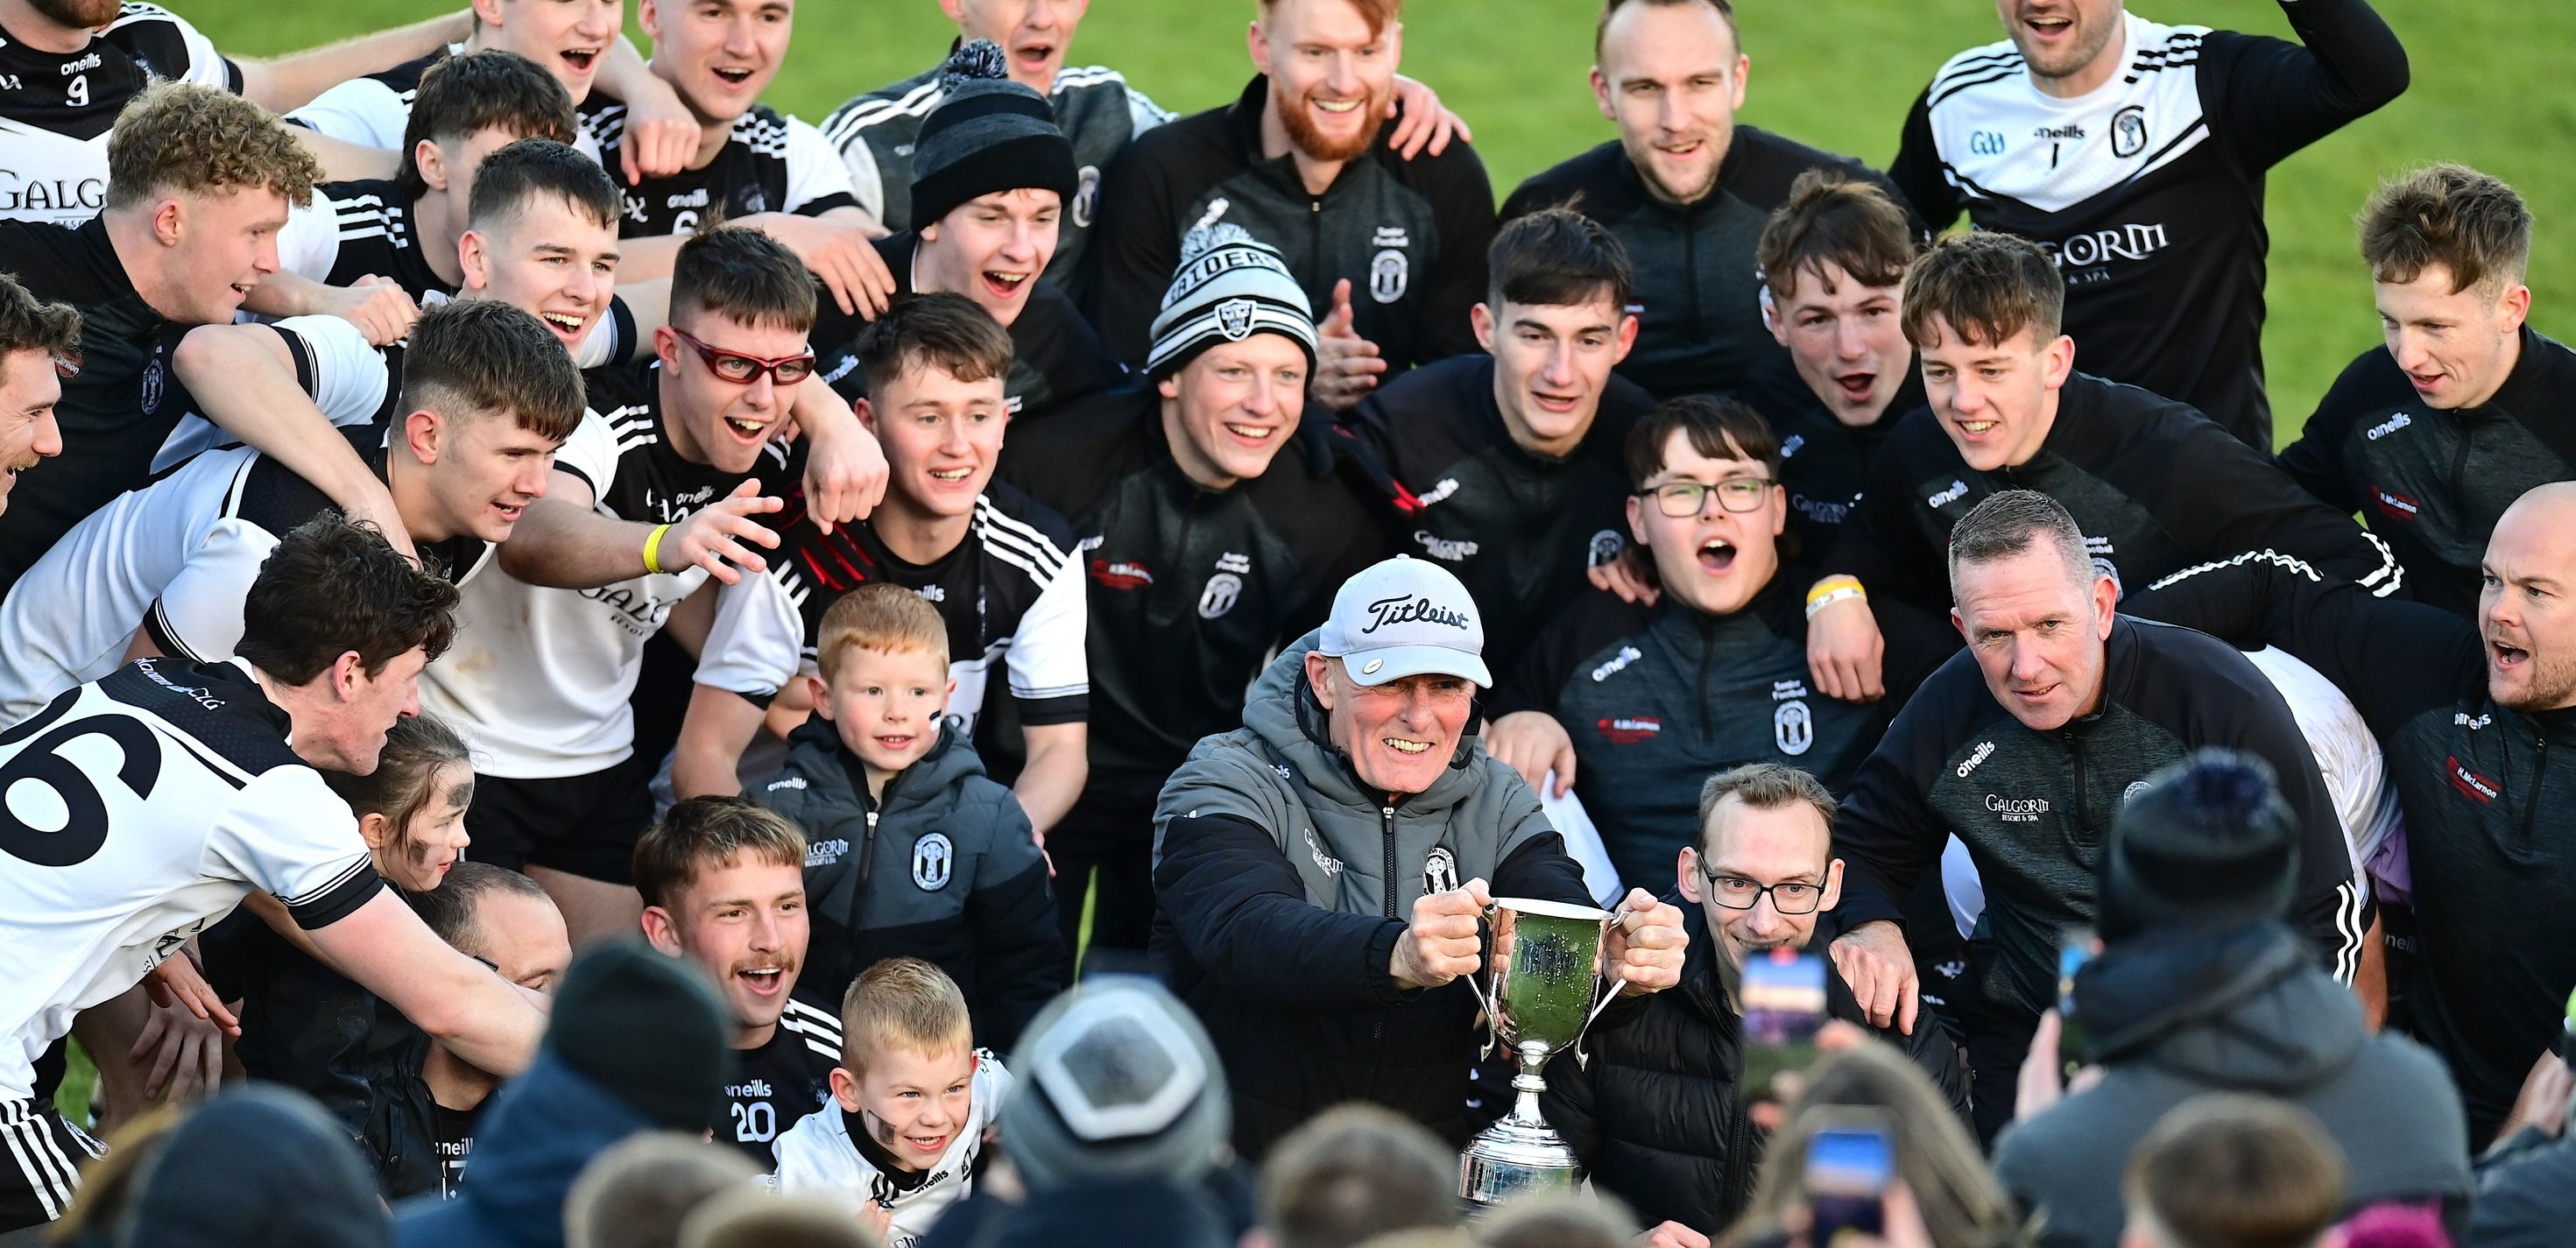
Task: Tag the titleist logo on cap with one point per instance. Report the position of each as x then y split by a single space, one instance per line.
1402 610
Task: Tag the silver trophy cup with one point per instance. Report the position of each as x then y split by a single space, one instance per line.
1547 988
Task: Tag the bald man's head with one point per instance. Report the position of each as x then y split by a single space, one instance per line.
2527 610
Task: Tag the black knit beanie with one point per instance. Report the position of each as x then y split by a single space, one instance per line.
2207 843
649 1030
988 134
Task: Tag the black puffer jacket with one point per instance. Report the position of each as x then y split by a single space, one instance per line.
2178 1013
1655 1116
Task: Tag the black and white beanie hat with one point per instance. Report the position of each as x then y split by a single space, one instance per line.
988 134
1229 287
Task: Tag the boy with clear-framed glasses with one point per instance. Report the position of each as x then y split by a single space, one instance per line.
1633 704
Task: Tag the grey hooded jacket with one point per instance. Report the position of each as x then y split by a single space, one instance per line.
1283 886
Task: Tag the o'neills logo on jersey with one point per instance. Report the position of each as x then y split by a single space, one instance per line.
2386 427
1958 490
2394 505
2475 787
1617 664
1121 574
1984 750
1386 611
2119 242
1447 487
2017 809
1630 730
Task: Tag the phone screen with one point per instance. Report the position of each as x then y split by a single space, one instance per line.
1784 1005
1848 1167
2074 1046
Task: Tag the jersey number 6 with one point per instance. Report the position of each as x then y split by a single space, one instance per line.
78 816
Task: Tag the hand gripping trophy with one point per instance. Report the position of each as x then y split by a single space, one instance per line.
1549 983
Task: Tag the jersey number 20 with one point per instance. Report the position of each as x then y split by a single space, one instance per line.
78 815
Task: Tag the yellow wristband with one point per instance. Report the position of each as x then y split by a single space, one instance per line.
653 549
1830 585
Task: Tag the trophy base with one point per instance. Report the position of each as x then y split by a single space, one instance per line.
1512 1157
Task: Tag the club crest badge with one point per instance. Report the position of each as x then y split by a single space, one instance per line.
933 860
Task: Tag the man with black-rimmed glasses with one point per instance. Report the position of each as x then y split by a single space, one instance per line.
1658 1114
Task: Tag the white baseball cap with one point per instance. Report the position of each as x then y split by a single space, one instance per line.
1405 617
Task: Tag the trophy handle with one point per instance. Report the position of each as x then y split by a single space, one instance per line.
1607 981
1493 1019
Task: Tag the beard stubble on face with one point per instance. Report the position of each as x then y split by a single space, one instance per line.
1317 145
86 13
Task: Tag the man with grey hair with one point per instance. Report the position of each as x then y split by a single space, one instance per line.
2024 747
1322 871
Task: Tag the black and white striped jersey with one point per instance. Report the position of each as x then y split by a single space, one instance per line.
1011 594
177 557
139 809
1099 113
56 108
771 163
542 676
780 1082
2148 191
360 229
372 111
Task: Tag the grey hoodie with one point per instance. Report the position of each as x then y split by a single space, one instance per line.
1283 886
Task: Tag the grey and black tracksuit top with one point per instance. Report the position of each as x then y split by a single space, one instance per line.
1698 288
942 869
1282 886
2035 808
2488 834
2155 486
2432 483
1658 699
1409 235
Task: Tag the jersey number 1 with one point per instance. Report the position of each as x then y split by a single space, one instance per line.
37 771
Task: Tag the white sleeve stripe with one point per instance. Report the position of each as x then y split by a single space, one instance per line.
1015 559
1002 521
863 114
1043 563
362 863
50 1192
1058 691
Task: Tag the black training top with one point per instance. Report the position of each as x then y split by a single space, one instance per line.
1698 288
2035 808
1409 235
1192 589
1824 463
2494 890
2430 482
1519 529
2155 487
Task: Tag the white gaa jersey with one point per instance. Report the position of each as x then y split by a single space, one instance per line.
177 557
541 676
58 108
1010 593
816 1158
374 110
135 811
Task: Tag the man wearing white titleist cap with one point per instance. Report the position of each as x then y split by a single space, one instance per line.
1321 872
